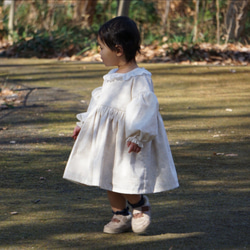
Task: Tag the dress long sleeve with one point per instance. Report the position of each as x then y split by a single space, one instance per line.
141 118
82 116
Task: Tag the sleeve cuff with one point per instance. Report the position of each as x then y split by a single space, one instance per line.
79 124
135 140
81 117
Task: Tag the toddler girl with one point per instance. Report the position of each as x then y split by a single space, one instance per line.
121 144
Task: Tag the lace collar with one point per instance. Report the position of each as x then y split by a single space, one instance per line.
112 75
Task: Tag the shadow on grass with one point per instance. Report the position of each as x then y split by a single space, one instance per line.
40 210
209 209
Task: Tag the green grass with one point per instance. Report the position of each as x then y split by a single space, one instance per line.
206 115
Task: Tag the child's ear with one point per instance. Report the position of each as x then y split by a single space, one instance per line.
119 50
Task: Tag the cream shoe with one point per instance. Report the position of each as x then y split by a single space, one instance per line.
118 224
141 217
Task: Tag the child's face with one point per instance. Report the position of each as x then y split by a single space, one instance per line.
109 57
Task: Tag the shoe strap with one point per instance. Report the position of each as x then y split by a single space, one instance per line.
115 220
142 209
145 208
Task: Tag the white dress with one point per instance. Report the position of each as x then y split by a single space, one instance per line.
124 109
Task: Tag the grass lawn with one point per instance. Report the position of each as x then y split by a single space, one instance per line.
206 115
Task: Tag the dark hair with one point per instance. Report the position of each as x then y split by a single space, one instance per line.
121 31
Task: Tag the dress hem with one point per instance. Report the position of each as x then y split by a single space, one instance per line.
121 191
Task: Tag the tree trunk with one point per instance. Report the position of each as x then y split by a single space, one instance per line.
236 18
11 20
84 12
1 16
107 10
165 16
123 7
218 21
37 14
48 20
203 9
77 12
196 16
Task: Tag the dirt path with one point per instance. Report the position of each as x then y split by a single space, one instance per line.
206 113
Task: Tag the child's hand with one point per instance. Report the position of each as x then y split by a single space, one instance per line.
133 147
76 132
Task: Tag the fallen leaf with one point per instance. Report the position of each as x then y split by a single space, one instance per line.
14 213
219 154
4 128
231 155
